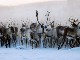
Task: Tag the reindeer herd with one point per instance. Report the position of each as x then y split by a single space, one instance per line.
39 35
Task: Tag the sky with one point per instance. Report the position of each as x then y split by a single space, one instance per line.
19 2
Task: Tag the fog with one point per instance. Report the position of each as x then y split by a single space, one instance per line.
60 11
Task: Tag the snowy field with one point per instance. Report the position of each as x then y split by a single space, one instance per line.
39 54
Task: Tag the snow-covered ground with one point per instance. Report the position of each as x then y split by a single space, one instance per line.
39 54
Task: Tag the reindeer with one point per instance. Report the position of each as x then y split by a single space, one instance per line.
45 31
23 31
13 33
68 31
34 35
36 29
72 31
43 27
5 37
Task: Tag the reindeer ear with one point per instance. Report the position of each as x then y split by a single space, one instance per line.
77 20
41 26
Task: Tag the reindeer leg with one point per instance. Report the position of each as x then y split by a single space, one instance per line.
63 41
26 42
32 44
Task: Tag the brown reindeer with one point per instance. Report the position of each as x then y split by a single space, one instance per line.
73 30
13 33
5 37
68 31
60 33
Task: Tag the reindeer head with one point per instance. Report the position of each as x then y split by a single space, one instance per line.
33 26
73 22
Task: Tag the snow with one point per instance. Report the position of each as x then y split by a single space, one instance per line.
39 54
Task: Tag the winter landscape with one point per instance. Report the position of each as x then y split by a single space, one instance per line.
39 54
40 30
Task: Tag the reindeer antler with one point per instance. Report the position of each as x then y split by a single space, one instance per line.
48 19
37 17
76 20
70 20
48 13
51 23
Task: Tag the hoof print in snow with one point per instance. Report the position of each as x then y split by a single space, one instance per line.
20 47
